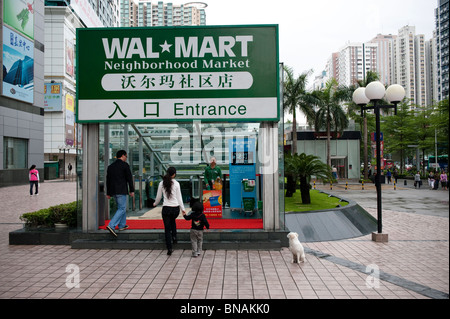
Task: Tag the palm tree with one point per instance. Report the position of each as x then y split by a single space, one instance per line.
295 96
303 167
290 172
330 114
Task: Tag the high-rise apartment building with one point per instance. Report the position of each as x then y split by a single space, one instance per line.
331 68
146 13
350 64
408 66
442 48
431 62
384 58
405 59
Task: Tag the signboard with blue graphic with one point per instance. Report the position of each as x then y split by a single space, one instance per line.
242 159
18 66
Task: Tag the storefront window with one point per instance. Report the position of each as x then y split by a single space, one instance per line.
189 147
15 153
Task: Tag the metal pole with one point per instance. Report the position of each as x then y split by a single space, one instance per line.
435 150
378 177
64 165
141 167
140 192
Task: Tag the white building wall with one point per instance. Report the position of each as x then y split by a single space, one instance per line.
354 60
21 120
60 31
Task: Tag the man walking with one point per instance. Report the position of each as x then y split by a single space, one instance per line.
118 180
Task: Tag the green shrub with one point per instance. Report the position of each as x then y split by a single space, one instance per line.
64 213
38 218
47 217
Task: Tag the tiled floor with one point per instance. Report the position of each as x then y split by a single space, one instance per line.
414 264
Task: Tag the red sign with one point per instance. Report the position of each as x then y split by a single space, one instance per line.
212 203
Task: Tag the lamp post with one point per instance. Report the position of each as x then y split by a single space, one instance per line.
375 92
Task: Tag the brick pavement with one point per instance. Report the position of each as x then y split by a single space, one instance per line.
414 264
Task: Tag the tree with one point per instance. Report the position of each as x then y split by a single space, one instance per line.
398 132
330 115
424 131
440 121
290 172
303 167
295 96
416 126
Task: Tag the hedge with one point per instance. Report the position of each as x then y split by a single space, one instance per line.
47 217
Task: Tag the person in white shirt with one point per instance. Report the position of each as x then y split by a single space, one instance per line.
171 190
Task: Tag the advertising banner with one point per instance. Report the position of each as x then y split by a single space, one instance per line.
70 120
18 66
52 97
216 73
18 14
86 13
70 58
212 203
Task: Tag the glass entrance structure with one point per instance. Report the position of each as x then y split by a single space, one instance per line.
188 147
178 97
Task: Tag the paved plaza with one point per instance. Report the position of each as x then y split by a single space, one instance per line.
414 264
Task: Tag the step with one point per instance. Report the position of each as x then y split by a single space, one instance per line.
158 244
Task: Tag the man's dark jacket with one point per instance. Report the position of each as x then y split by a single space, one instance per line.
118 177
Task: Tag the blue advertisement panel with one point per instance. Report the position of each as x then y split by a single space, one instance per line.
18 66
52 97
242 158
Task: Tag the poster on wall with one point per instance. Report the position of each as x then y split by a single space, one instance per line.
18 66
374 150
212 203
70 58
52 97
70 120
19 14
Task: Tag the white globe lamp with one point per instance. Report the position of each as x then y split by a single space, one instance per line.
375 91
395 93
359 97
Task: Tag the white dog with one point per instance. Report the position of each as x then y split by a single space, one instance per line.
296 248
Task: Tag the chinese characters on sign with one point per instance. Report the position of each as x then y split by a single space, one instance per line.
52 97
177 81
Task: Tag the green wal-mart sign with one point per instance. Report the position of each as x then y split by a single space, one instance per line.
214 73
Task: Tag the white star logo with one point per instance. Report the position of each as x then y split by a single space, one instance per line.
165 47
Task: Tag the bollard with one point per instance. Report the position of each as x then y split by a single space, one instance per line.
404 182
346 185
331 185
314 184
362 185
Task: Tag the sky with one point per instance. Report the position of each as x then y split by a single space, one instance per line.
311 30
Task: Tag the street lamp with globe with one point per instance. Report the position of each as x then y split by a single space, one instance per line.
374 93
